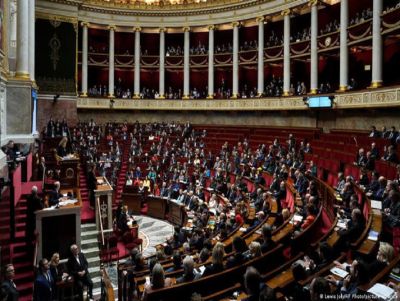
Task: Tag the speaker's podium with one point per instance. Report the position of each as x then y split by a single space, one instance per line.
103 196
60 226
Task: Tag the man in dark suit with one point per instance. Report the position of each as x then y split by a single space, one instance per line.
34 203
78 268
92 184
55 195
8 285
44 283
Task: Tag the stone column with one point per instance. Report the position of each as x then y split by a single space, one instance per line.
12 34
286 52
211 29
235 60
23 40
376 45
260 77
136 88
186 63
314 47
32 39
84 59
111 62
162 64
344 51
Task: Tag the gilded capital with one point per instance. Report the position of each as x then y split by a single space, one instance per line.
186 28
211 27
83 24
312 2
162 29
235 24
137 28
260 19
286 12
111 27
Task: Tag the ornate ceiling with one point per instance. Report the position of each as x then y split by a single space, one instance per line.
175 4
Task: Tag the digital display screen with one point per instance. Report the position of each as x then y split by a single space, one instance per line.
320 102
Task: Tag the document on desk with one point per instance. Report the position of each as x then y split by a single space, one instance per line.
339 272
376 204
201 269
383 292
67 202
373 235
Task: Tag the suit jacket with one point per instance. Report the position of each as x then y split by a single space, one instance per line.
34 203
92 181
12 291
53 197
44 287
74 267
187 278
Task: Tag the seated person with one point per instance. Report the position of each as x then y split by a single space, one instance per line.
177 261
158 280
260 218
319 287
268 244
354 230
55 195
297 291
253 284
391 216
358 275
320 258
310 216
217 259
188 271
239 248
124 220
254 250
383 258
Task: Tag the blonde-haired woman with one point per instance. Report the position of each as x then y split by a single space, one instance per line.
217 259
57 272
62 150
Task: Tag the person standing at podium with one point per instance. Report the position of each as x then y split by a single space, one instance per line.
92 184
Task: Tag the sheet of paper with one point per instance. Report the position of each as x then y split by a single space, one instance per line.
339 272
382 291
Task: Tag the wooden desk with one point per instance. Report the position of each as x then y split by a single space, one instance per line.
133 201
156 206
177 213
59 228
281 280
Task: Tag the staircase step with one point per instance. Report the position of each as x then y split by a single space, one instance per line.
88 227
89 243
89 235
23 266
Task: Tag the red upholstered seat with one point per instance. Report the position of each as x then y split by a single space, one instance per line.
332 179
129 241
